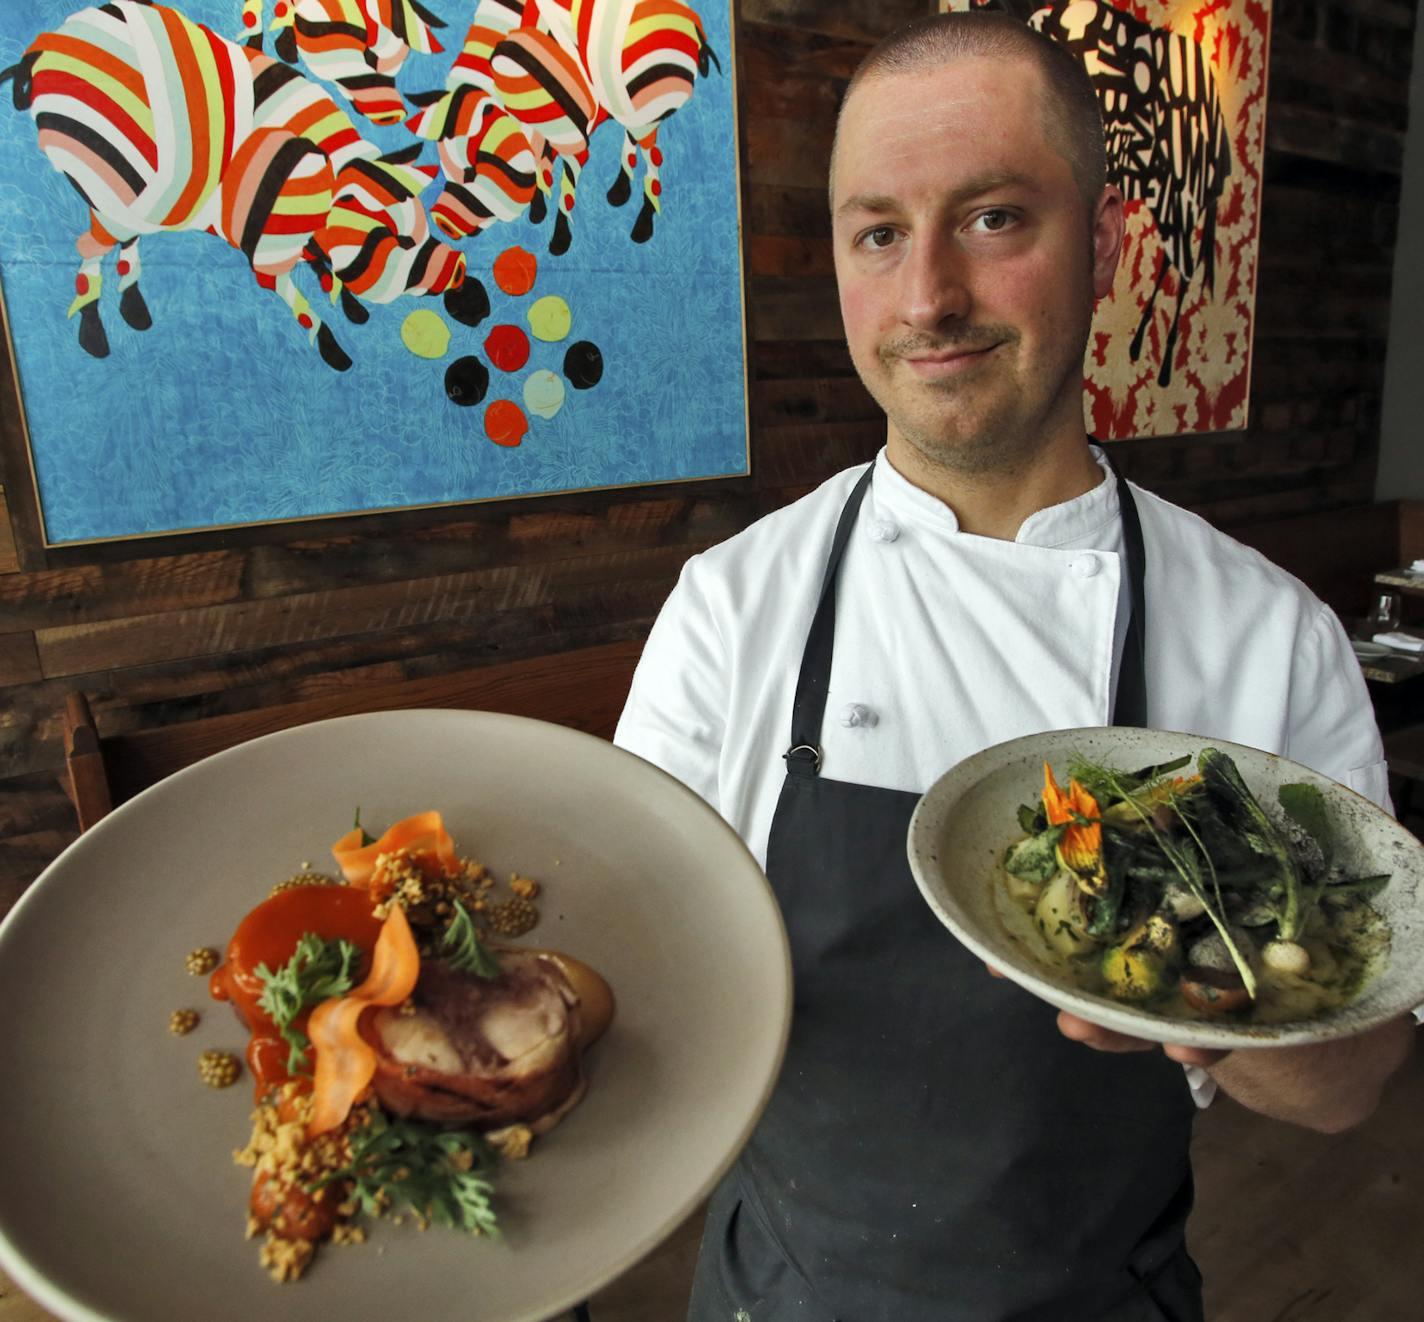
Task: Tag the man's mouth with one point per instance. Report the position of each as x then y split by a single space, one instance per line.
950 361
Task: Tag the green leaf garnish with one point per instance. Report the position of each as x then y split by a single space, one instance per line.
1035 858
318 970
366 837
440 1175
1305 805
467 952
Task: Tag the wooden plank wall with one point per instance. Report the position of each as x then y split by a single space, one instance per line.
275 616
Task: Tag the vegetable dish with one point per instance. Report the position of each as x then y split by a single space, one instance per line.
1183 895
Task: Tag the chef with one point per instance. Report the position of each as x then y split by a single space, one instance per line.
939 1147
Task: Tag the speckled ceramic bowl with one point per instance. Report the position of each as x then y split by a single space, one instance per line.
967 819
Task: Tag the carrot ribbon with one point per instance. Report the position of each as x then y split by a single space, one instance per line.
345 1062
423 836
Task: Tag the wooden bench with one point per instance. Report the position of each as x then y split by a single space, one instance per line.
584 689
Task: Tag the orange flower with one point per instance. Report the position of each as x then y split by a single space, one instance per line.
1080 849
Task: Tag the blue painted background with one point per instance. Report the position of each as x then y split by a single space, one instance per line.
222 413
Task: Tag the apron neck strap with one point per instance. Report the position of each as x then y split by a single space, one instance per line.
807 713
803 758
1130 701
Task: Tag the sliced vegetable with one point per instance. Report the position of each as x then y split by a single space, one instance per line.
1215 991
423 836
345 1063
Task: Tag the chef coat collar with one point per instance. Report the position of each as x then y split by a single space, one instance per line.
1074 523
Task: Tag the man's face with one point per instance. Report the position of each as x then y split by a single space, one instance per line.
968 262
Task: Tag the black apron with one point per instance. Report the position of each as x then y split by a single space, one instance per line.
934 1149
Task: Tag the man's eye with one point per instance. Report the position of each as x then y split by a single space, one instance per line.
882 236
993 221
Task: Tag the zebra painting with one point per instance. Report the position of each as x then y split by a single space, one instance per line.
162 125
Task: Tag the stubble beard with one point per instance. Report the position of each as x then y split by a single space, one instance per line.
995 438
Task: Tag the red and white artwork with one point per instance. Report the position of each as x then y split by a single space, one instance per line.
1182 88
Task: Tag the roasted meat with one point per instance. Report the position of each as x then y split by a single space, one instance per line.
490 1052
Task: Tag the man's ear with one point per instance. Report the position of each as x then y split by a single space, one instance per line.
1108 229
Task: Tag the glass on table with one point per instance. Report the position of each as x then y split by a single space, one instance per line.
1385 616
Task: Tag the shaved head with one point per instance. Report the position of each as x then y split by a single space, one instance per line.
1072 124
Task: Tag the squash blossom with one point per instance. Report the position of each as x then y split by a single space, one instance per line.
1080 850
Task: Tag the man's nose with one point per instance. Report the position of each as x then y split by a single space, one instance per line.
934 283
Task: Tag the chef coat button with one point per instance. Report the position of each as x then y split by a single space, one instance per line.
857 713
883 530
1085 566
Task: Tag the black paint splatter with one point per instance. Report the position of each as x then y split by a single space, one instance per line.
583 365
466 381
469 304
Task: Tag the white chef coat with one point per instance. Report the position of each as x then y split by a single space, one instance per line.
948 642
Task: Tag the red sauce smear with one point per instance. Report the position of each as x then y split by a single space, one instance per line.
269 935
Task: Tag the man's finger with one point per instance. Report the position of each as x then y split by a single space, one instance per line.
1097 1037
1193 1055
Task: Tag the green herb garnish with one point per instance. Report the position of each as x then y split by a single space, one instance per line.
318 970
467 952
366 837
438 1174
1305 806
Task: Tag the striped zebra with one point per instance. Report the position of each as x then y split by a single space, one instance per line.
515 105
642 59
160 124
487 157
357 45
566 68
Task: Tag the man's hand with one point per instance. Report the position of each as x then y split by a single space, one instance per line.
1329 1086
1105 1039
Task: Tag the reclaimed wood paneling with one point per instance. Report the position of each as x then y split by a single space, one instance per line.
9 558
269 616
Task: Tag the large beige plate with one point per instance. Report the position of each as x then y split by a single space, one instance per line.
965 821
118 1195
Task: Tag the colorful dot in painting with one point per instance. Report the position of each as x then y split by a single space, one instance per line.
514 271
543 394
466 380
469 304
507 347
425 334
583 365
505 423
550 318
